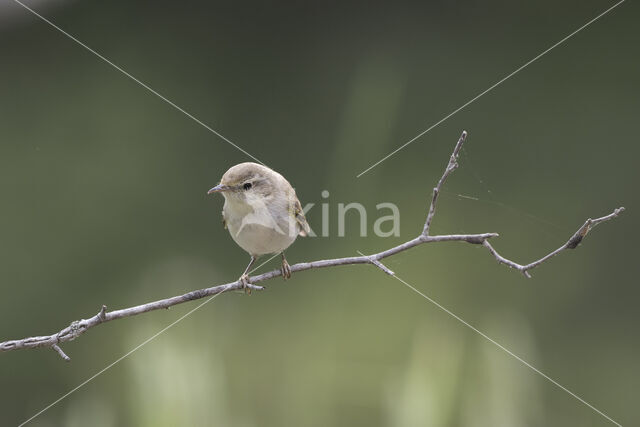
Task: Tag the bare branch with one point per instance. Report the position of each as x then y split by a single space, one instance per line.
572 243
451 166
78 327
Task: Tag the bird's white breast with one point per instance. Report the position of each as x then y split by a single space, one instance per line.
260 226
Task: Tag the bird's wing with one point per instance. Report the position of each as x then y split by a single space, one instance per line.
298 214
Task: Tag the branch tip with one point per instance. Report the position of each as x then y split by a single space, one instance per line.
382 267
62 354
588 225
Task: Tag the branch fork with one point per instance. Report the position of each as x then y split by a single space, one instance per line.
378 264
78 327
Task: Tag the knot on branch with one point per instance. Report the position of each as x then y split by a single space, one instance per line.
102 314
476 240
76 328
576 239
197 294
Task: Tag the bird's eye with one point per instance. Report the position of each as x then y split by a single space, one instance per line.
247 185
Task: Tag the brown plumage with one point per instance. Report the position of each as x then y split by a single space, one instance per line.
261 211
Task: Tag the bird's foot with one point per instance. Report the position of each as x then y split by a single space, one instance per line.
285 269
244 280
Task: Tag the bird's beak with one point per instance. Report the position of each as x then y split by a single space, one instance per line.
219 188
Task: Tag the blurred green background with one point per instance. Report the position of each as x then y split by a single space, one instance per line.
103 202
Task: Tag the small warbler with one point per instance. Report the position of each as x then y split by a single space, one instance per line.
261 211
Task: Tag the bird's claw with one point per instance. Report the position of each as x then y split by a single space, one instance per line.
285 269
244 280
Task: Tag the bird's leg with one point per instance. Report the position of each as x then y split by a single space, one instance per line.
286 268
244 279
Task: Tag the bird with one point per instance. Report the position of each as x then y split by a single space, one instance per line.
261 212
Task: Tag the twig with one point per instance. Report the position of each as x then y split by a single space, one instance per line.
62 354
451 166
572 243
380 265
78 327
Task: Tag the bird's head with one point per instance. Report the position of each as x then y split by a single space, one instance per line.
248 181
